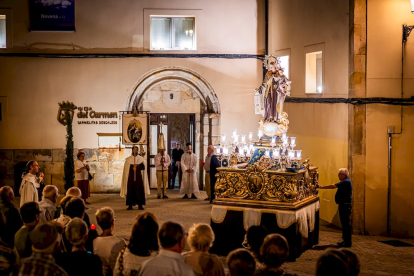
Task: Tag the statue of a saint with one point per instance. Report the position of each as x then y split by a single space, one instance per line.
274 89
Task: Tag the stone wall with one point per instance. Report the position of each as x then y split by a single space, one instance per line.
106 164
180 128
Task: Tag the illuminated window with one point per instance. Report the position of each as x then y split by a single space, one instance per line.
2 31
314 71
173 33
284 63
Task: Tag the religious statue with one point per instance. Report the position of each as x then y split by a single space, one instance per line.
272 94
275 88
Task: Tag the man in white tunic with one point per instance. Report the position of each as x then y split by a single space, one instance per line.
189 168
30 183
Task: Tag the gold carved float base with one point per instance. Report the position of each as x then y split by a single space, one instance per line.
260 188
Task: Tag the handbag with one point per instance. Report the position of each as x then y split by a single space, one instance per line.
90 176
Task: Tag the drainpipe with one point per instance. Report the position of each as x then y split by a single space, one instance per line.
390 132
406 33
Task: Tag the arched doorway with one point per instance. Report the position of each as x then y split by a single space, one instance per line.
167 92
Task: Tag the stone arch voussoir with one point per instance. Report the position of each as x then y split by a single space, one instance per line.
181 74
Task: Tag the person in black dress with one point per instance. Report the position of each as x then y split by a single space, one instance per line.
132 180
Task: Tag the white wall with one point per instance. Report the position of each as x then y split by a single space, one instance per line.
32 87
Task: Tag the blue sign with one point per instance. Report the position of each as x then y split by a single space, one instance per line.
52 15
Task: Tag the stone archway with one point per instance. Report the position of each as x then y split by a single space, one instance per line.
207 113
208 97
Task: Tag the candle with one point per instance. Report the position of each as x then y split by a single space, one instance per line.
260 134
223 137
292 142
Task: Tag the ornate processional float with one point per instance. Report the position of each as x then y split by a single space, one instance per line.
266 177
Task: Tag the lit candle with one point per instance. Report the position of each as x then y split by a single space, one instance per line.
236 138
223 137
260 134
292 142
243 138
267 153
291 153
283 135
273 140
299 154
276 153
225 150
250 136
234 132
285 141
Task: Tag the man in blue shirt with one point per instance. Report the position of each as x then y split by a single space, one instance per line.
343 198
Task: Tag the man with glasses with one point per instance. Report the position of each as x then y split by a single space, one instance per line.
343 198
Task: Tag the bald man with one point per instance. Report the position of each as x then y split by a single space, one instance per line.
47 205
343 198
206 165
214 164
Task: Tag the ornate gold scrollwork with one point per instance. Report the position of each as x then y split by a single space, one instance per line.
256 180
275 188
256 183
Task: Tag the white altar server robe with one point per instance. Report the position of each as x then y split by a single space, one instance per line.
189 183
28 191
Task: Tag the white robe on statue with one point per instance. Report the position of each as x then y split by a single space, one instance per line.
28 191
189 183
130 161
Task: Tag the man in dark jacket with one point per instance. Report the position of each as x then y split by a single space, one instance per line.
343 198
176 159
214 164
12 215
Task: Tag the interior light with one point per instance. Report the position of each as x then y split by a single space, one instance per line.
412 6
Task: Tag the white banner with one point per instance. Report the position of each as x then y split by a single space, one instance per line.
134 129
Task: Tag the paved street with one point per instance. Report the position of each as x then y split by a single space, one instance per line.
376 258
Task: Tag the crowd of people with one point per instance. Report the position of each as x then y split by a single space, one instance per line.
46 239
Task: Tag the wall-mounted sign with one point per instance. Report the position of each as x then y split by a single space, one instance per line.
48 15
134 129
86 112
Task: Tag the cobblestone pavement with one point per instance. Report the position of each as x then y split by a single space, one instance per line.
376 258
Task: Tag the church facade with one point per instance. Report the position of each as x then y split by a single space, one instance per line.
111 63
